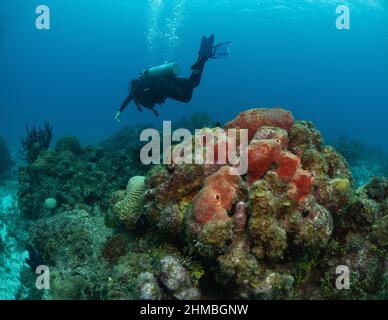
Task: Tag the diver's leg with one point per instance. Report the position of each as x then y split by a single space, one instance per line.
182 89
204 54
197 71
177 88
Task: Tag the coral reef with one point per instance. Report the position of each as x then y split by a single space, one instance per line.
253 229
68 238
356 152
69 143
196 121
71 243
280 231
76 177
126 141
5 158
366 162
152 270
13 236
176 279
114 248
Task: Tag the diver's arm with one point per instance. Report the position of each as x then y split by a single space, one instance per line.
126 102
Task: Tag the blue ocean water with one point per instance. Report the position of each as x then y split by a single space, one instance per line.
285 53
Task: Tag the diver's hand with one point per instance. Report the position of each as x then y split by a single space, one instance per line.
117 117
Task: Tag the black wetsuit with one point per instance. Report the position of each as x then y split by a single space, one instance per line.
148 92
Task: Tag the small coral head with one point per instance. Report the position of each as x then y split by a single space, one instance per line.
207 206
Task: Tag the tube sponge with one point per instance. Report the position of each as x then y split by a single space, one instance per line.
130 208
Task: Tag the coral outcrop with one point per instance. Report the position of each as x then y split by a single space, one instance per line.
267 148
253 229
280 231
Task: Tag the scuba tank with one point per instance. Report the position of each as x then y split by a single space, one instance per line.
169 70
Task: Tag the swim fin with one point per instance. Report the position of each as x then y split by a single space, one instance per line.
210 51
206 50
221 50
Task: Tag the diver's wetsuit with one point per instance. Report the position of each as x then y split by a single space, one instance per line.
148 92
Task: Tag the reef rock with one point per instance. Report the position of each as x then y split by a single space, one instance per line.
69 239
176 279
70 244
148 287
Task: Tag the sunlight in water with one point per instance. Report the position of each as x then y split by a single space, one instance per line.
164 23
153 41
174 23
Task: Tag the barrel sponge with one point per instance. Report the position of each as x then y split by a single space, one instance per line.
130 208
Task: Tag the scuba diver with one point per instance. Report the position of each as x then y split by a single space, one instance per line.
156 84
